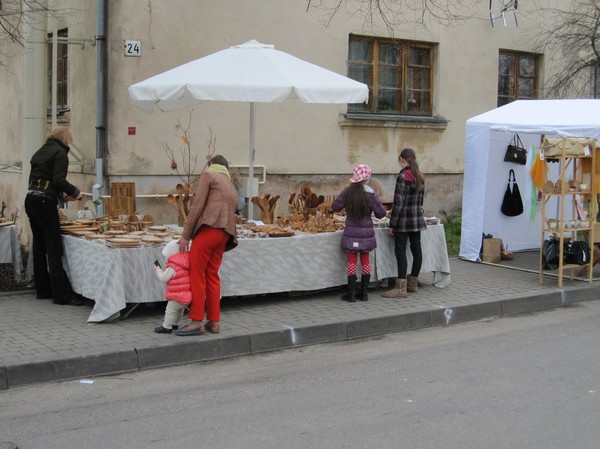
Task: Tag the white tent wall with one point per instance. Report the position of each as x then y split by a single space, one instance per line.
486 174
475 186
482 197
517 233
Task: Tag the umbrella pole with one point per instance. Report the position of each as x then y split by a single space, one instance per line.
251 163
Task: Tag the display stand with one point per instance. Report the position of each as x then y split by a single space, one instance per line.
576 192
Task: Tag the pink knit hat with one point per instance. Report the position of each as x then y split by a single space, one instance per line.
362 172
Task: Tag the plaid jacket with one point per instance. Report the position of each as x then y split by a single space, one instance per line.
407 212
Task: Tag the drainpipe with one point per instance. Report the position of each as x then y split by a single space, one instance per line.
35 84
100 106
54 89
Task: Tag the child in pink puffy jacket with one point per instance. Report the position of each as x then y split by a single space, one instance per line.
177 277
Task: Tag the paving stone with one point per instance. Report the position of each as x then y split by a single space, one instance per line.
67 347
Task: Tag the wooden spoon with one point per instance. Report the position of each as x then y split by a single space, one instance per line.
186 199
172 201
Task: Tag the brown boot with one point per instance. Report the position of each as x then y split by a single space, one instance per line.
399 290
412 284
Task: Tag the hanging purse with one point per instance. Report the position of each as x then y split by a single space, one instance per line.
515 152
512 204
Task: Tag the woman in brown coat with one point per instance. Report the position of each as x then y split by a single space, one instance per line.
211 228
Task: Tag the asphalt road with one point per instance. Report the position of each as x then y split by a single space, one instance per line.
524 382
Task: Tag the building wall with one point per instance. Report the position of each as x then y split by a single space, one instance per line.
296 142
11 78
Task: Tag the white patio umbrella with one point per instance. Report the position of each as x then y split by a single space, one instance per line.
250 72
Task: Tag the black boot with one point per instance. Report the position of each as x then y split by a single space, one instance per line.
364 285
351 296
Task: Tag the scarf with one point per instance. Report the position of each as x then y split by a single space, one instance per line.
218 168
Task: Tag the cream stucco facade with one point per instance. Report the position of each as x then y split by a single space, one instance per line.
296 142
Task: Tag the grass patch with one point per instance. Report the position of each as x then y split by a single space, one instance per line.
452 227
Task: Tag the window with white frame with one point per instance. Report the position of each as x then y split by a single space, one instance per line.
62 59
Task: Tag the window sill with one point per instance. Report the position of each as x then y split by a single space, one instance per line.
59 111
392 121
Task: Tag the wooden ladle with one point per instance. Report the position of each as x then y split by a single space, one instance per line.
172 200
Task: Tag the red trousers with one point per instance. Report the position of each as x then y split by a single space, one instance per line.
206 255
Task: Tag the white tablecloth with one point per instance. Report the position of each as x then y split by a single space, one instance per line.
435 255
10 251
113 277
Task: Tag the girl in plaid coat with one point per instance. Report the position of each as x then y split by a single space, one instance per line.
407 222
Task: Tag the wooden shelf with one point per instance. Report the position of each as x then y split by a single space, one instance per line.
570 192
574 266
583 172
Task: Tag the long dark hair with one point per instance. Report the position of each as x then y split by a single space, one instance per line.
408 154
356 203
220 160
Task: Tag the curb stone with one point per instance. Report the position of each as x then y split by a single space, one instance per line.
72 368
460 314
192 351
3 379
28 291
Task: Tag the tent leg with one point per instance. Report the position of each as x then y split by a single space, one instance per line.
251 163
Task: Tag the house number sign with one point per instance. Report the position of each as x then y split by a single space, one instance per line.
133 48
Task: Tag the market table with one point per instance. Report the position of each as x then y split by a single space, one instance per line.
10 251
113 277
435 255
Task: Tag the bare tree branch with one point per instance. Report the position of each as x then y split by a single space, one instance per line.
395 13
15 15
189 161
570 40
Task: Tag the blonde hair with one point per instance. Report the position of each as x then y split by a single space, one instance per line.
62 133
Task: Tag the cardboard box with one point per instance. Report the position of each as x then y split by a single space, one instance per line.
491 250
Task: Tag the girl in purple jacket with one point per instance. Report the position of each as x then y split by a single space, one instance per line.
359 200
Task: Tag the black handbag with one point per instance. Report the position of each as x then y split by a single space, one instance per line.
551 253
515 152
578 252
512 204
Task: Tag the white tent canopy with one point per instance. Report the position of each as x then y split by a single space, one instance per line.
486 174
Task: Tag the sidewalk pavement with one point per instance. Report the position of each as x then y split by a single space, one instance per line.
45 342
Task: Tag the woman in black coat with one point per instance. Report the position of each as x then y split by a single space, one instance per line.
47 185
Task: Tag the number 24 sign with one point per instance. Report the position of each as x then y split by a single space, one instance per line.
133 48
